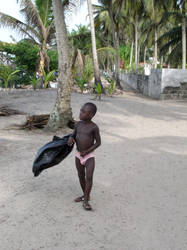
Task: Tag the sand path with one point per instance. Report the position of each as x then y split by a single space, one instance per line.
140 183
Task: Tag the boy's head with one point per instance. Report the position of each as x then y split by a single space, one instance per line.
88 111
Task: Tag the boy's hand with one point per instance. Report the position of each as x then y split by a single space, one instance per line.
71 141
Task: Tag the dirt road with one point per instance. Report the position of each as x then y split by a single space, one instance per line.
140 184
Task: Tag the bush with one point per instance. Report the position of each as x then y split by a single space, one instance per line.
86 76
53 55
7 75
111 88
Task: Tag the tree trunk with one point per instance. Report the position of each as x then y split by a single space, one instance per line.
46 62
183 36
115 38
136 42
41 64
138 57
62 113
94 50
169 54
108 61
131 55
117 62
145 51
155 48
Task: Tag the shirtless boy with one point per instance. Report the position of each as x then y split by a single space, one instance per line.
87 138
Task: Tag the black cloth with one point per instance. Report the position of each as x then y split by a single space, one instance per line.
51 154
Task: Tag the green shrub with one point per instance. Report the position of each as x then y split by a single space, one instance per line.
34 82
6 75
98 90
53 55
86 76
111 88
48 77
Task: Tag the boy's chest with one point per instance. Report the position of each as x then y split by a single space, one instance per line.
85 129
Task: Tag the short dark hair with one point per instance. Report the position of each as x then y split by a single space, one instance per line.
92 107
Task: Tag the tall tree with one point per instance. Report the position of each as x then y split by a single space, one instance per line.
155 12
94 50
183 5
61 114
135 12
173 39
113 7
38 27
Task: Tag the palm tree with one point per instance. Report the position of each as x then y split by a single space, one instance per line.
135 12
61 114
174 35
114 12
38 27
81 39
94 50
155 10
103 28
171 41
183 7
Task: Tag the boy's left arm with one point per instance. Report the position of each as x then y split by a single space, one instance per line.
96 144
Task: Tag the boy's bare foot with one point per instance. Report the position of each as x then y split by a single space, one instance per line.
79 199
86 205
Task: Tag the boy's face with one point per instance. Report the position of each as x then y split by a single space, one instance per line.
85 113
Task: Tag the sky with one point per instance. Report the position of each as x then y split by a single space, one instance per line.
11 8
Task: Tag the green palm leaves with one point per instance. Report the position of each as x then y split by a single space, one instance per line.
6 74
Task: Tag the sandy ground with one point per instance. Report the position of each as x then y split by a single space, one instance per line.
140 184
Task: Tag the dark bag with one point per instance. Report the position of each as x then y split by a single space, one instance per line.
51 154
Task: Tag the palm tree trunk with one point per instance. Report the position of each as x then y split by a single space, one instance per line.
131 55
145 51
155 48
115 38
136 43
183 36
138 57
118 61
94 50
170 49
41 64
108 61
62 112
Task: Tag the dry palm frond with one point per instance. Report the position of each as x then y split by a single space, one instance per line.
6 111
39 121
35 121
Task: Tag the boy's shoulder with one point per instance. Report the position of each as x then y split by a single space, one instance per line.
95 125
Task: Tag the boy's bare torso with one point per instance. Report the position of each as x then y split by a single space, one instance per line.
85 135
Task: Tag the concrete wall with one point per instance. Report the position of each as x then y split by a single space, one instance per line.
173 77
160 84
155 83
129 79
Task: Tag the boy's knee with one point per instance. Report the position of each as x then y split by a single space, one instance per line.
89 178
81 175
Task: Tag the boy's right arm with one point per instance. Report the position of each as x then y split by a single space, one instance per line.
71 139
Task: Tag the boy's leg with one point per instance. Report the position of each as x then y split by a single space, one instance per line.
81 175
90 165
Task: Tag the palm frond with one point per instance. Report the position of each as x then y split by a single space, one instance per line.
176 54
165 48
32 15
13 23
45 11
175 33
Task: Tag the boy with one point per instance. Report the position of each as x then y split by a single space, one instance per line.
87 138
